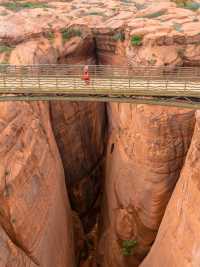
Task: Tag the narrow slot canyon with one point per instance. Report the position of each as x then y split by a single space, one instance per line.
90 184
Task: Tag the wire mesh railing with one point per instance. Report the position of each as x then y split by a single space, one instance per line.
105 80
167 73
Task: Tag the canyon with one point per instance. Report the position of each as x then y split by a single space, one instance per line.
92 184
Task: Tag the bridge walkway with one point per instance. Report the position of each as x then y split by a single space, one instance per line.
108 83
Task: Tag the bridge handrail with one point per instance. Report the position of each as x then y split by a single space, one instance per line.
145 72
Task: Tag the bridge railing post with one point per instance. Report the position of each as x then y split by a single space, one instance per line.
56 81
95 71
111 80
166 84
4 81
185 86
21 79
38 75
74 83
129 80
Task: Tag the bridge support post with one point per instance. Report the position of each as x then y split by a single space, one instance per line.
56 81
39 81
4 81
74 83
185 86
21 80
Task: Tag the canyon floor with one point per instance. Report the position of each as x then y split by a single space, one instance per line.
95 184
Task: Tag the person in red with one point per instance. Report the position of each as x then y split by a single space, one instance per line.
86 76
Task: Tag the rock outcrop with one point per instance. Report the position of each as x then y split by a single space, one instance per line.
146 150
35 216
177 242
137 32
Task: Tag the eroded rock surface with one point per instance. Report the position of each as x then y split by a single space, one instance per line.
146 151
138 32
80 133
177 242
35 217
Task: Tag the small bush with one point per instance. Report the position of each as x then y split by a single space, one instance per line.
69 33
155 14
126 1
34 5
16 6
50 36
95 14
128 247
177 27
136 40
140 6
152 61
119 36
181 52
5 49
192 5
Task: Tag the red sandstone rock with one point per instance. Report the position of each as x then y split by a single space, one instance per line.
35 217
146 151
177 242
79 129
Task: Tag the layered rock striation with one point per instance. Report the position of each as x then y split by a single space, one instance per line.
35 216
146 151
177 242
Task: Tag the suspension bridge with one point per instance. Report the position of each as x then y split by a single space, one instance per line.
178 86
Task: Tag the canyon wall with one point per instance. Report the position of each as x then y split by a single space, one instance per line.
35 217
146 150
177 242
80 130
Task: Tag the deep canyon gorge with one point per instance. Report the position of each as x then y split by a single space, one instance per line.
90 184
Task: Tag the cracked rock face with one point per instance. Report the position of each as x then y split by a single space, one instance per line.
35 217
177 242
79 129
146 150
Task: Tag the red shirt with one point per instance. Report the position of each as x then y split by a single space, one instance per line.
86 76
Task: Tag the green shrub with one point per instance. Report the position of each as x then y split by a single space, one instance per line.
69 33
181 52
192 6
119 36
50 36
189 4
140 6
152 61
126 1
17 6
95 14
5 49
155 14
177 27
128 247
136 40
